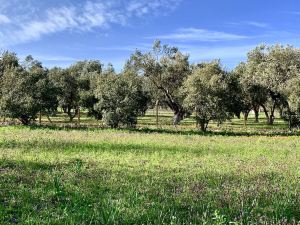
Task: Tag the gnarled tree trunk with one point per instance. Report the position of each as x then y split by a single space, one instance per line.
266 113
24 120
276 99
246 114
178 116
72 116
203 125
176 107
256 113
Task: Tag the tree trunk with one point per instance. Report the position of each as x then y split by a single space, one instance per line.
175 107
256 112
275 97
156 114
246 114
203 126
72 116
48 117
178 116
25 120
266 113
40 118
78 113
272 116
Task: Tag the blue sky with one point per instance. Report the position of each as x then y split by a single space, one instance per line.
58 33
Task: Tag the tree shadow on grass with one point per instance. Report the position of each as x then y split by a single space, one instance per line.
268 133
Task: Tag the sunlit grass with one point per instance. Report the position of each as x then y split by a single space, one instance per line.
103 176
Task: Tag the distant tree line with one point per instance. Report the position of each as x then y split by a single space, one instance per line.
268 80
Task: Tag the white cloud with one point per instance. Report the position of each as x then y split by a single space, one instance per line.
250 23
257 24
84 17
4 19
140 8
195 34
60 19
56 20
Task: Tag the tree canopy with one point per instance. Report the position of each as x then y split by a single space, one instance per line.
269 80
166 68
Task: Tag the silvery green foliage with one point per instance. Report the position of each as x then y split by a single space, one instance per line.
252 94
8 61
121 99
26 89
205 94
274 68
291 111
166 68
75 85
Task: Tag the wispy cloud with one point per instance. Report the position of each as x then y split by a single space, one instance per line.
250 23
84 17
68 18
195 34
257 24
4 19
140 8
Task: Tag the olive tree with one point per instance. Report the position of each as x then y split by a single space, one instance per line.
75 86
166 68
252 95
67 85
8 61
86 73
121 99
272 67
26 91
205 92
291 109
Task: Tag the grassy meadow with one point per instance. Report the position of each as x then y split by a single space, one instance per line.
231 175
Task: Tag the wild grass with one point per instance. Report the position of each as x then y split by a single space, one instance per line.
148 122
103 176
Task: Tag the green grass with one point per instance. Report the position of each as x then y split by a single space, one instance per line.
149 176
165 123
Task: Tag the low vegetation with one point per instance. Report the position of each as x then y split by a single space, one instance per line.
232 174
59 176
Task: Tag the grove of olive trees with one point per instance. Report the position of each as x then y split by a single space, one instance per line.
268 81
